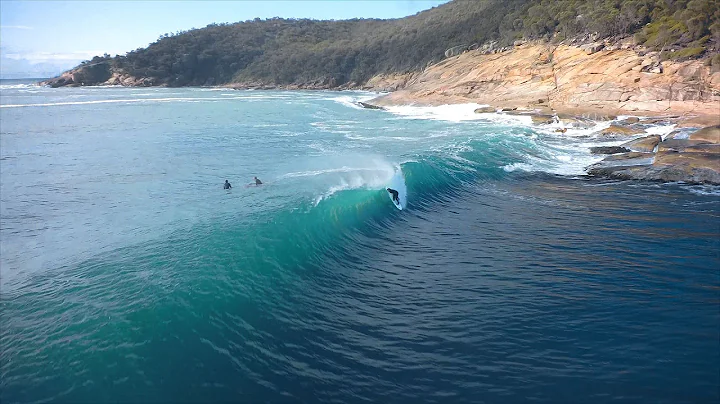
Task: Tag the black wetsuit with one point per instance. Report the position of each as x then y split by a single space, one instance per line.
258 182
227 185
394 194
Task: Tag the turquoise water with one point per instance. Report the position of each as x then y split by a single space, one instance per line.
129 274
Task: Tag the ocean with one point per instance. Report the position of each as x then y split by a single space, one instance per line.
130 275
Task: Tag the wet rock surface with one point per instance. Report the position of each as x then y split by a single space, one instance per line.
693 160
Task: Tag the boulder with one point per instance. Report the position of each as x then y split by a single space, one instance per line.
699 168
578 123
630 158
370 106
664 120
652 67
592 48
710 134
676 134
455 50
619 131
542 109
610 165
92 74
678 145
703 148
485 110
542 119
594 116
645 144
677 172
629 121
59 82
64 79
608 150
515 111
677 160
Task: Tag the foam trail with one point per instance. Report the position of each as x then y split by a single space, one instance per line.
343 169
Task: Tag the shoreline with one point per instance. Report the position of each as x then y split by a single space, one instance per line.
568 80
682 114
568 84
552 82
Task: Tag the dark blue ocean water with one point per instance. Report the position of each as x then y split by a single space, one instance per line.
130 275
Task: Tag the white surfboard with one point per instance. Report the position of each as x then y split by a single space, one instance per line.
398 183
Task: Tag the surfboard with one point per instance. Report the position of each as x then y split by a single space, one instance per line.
397 204
398 183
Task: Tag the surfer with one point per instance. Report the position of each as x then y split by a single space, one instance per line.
394 194
227 185
256 183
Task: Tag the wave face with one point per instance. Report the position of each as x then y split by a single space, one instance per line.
129 274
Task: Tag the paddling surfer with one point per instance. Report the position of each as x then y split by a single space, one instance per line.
256 183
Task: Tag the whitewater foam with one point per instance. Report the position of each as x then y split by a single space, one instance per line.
344 173
19 86
663 130
353 100
706 190
354 178
448 112
348 101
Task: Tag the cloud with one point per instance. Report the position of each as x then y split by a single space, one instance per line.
20 68
19 64
15 27
39 64
46 57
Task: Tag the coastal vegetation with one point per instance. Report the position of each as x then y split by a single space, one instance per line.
349 52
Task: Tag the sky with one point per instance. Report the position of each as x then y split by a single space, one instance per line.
44 38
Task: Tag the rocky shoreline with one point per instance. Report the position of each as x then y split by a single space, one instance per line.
575 85
692 158
687 155
572 84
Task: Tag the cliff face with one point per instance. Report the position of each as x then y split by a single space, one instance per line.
569 79
97 74
84 75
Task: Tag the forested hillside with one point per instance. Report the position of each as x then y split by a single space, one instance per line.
287 51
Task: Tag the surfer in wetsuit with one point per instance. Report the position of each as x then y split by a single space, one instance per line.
257 181
227 185
394 194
